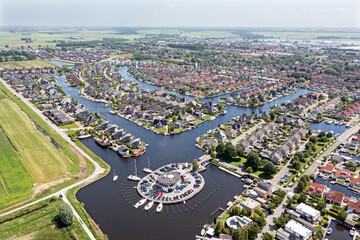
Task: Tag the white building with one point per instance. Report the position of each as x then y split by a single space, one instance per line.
311 214
298 230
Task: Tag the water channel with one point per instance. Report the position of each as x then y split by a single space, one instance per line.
110 204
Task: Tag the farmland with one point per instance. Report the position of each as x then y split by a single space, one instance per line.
26 64
39 222
28 157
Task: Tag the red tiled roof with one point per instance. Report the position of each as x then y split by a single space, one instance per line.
316 188
335 196
328 167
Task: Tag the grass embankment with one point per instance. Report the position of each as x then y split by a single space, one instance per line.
26 64
34 159
39 222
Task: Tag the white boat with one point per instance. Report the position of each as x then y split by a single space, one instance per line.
147 170
112 112
134 178
329 231
347 125
330 122
236 197
247 180
115 177
212 118
149 205
140 203
159 207
352 232
203 231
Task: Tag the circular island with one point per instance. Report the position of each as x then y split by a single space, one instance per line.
172 183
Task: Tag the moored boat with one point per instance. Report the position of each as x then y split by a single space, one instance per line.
140 203
112 112
149 205
159 207
329 231
134 178
147 170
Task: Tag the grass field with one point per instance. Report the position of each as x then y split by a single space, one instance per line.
210 34
27 156
39 222
308 35
26 64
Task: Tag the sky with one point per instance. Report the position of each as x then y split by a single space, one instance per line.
182 13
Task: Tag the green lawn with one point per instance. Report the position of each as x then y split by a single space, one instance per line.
69 126
15 180
26 64
38 222
160 130
35 160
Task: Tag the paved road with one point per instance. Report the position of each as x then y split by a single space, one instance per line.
98 169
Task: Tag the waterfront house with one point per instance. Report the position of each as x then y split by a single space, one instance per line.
250 205
355 182
135 143
335 197
327 169
297 230
123 150
220 136
264 189
119 133
126 138
310 214
112 129
317 189
343 174
104 125
354 205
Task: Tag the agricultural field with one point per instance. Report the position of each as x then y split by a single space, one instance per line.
26 64
39 222
210 34
308 35
30 163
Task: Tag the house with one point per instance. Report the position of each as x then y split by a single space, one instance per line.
250 205
135 143
231 132
310 214
335 197
236 222
354 205
119 133
276 158
343 174
104 125
355 182
220 136
123 150
317 189
298 230
281 234
126 138
112 129
327 169
264 189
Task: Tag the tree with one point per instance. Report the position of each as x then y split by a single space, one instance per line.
302 198
240 152
341 215
329 135
253 161
313 139
296 164
343 99
280 221
66 214
272 115
269 168
230 151
321 205
219 227
195 165
220 148
267 236
249 169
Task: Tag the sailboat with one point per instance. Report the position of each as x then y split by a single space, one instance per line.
115 177
134 177
148 170
159 207
139 203
149 205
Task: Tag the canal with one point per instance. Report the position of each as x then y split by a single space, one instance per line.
339 231
110 204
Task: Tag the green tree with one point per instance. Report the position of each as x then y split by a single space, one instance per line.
230 151
195 165
296 165
302 198
219 227
240 152
341 215
66 214
267 236
253 161
220 148
269 168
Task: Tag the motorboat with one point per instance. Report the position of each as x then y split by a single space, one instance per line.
329 122
247 180
115 177
147 170
149 205
236 197
140 203
329 231
111 112
134 178
159 207
352 232
203 231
